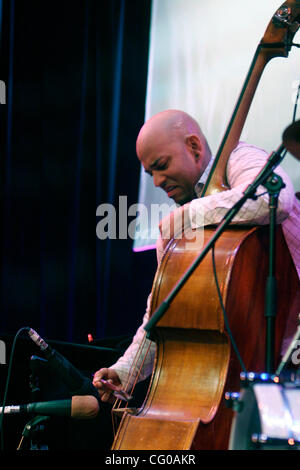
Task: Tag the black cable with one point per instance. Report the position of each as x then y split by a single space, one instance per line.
296 103
225 314
7 381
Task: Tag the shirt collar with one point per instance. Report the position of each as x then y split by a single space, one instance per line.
200 184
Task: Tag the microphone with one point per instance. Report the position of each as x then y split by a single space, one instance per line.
77 383
78 407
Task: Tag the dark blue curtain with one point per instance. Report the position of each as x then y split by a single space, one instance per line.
75 75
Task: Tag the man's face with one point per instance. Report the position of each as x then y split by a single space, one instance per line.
174 165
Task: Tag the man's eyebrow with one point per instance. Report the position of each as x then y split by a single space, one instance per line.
154 164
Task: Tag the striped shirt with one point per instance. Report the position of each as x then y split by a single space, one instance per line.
244 164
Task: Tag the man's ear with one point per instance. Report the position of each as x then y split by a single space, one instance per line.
193 143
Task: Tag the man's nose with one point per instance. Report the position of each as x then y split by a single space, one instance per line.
158 179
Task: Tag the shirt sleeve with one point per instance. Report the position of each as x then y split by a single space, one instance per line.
137 361
243 166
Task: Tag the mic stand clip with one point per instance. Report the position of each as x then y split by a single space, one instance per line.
31 427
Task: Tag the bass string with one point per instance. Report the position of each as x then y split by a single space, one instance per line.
137 357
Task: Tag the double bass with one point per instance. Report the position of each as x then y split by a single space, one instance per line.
195 363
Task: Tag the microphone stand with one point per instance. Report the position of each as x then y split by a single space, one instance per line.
273 184
34 426
30 428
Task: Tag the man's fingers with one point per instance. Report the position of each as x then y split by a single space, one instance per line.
107 397
98 376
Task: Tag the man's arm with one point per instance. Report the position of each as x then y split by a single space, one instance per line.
243 166
137 360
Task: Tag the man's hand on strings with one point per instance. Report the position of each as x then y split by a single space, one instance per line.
111 377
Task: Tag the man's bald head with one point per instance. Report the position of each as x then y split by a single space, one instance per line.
172 123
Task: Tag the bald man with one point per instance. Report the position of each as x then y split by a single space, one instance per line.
174 152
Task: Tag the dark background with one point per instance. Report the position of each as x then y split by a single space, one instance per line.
75 75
